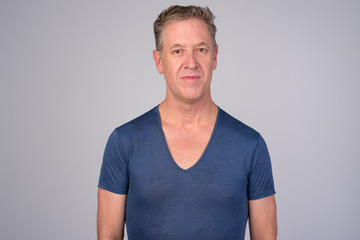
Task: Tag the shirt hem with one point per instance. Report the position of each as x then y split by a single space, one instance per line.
111 189
262 195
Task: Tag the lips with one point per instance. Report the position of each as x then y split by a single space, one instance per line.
190 78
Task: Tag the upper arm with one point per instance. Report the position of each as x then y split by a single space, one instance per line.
262 218
111 215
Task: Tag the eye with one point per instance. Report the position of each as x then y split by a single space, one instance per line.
202 50
176 51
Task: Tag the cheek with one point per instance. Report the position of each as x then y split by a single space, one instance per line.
172 68
207 63
169 73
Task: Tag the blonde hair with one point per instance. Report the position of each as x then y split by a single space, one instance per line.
179 13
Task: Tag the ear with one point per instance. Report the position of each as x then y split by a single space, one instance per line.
158 61
215 57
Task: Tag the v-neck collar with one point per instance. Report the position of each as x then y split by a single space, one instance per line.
157 112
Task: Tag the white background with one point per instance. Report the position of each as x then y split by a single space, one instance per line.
72 71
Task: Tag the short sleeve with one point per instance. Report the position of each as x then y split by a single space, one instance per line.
114 169
261 183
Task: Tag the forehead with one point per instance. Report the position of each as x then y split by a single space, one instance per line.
186 31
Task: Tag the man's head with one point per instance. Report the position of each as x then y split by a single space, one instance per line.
187 52
179 13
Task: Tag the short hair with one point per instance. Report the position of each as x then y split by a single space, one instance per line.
179 13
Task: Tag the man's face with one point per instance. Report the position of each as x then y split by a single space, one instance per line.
187 60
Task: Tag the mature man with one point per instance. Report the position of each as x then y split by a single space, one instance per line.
186 169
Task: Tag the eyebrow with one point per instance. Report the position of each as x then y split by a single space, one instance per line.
197 45
202 44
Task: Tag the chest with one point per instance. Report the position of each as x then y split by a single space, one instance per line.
220 174
218 179
198 198
187 146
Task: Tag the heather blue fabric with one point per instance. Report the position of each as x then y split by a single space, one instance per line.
207 201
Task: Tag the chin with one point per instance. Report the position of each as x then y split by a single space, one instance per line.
192 98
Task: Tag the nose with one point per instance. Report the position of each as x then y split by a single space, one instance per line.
190 61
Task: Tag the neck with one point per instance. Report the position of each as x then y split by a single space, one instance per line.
187 114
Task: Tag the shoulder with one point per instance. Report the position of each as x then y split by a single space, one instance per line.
126 133
138 124
236 130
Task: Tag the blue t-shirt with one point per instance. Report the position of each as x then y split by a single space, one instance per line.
207 201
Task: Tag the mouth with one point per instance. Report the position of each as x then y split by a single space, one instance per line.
190 78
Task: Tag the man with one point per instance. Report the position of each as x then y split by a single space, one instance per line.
186 169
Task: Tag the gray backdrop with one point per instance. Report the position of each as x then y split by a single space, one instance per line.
72 71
